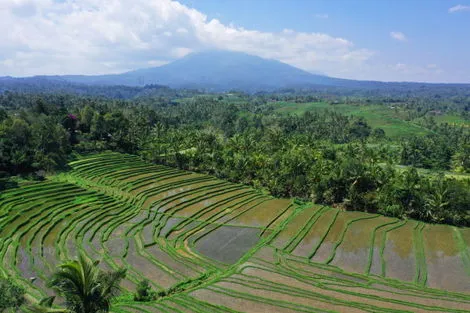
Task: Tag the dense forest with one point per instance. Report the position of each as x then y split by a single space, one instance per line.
327 157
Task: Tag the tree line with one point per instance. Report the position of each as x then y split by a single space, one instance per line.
325 157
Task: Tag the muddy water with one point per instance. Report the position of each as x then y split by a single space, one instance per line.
23 263
292 228
334 235
266 253
29 266
211 202
238 304
148 269
172 221
115 247
315 234
237 211
161 256
264 214
315 304
376 262
399 253
185 230
227 244
225 208
358 294
445 265
147 233
353 253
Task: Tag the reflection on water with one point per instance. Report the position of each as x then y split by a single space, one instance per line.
353 253
228 244
399 254
444 261
313 237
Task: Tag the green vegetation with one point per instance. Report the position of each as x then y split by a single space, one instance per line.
144 292
11 295
236 203
46 305
85 288
154 220
342 153
452 119
393 120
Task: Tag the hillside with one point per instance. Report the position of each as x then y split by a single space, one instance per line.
58 85
227 247
214 70
392 121
395 121
219 71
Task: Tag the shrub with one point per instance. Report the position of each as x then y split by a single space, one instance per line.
144 292
11 295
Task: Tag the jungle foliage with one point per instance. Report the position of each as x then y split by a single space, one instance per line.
324 156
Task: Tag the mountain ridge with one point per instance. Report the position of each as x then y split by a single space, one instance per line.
218 71
213 70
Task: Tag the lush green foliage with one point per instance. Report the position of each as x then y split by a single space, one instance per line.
176 229
45 305
144 292
11 295
321 155
85 287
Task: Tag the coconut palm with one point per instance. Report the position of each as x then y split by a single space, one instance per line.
85 288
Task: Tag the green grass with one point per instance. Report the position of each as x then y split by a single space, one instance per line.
392 121
452 119
428 172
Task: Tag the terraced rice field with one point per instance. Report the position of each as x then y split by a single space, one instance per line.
251 252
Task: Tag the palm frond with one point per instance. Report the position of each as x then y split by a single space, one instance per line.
85 287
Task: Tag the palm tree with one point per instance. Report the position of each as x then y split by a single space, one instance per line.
436 201
85 288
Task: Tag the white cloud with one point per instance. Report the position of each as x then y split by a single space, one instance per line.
459 8
156 63
400 67
405 72
322 16
110 36
398 36
412 72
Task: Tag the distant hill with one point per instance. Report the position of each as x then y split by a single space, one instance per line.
216 71
59 85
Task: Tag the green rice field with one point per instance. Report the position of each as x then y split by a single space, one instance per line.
234 249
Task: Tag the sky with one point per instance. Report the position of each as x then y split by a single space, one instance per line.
397 40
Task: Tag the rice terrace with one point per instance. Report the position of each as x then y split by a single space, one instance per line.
236 156
224 247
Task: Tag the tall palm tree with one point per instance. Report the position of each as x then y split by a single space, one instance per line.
85 288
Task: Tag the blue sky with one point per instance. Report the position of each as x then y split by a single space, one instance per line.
433 35
401 40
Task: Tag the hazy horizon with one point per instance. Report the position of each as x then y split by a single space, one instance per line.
412 41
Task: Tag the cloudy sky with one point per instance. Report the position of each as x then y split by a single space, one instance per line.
397 40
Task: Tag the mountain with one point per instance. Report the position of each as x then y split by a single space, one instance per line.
211 71
216 71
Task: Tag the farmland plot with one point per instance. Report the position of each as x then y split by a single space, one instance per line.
248 252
